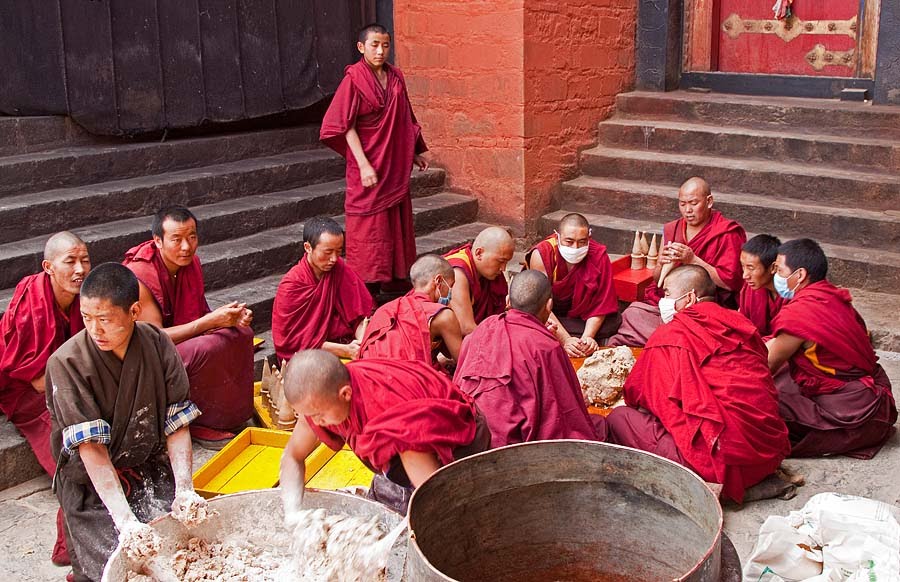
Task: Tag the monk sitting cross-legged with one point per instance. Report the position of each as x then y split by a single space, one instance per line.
403 419
584 301
834 395
702 237
320 302
758 301
420 324
43 313
701 393
519 374
215 345
480 288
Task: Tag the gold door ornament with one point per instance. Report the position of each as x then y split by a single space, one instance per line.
789 28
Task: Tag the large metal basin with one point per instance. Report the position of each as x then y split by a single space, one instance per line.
564 510
264 509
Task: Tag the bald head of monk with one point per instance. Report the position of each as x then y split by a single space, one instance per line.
434 276
687 285
695 202
530 291
317 385
493 248
67 263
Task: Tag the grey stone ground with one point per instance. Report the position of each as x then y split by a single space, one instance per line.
28 511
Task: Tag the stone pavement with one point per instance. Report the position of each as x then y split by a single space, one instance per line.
28 511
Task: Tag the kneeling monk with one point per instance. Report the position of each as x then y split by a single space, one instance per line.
420 324
320 302
119 409
758 301
43 313
519 374
701 393
215 345
402 419
836 398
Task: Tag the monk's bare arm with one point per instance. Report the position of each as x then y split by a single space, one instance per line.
228 315
461 303
781 348
419 466
367 174
38 384
349 351
292 477
181 456
536 262
592 326
444 325
105 480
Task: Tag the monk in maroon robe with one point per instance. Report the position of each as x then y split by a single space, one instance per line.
758 301
43 313
420 325
519 374
320 302
215 345
585 307
402 419
701 393
480 288
834 395
370 123
703 237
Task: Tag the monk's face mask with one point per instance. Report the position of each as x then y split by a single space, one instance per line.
442 299
667 309
782 285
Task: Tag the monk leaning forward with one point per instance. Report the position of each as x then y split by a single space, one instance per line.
119 409
320 302
216 346
43 313
420 325
404 420
519 374
701 393
758 301
834 395
702 237
370 123
480 288
585 307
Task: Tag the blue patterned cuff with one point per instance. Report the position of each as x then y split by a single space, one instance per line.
92 431
179 415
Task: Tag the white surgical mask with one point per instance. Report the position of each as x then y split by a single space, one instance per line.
572 255
781 285
667 309
445 299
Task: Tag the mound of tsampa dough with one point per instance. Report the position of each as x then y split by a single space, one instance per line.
603 374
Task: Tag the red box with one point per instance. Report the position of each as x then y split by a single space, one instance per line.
630 284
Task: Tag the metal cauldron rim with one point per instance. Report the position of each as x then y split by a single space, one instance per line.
720 517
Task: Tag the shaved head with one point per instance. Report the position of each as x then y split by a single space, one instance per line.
574 219
493 239
696 185
60 243
427 267
314 373
493 249
529 292
690 277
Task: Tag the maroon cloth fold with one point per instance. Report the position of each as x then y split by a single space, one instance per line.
760 307
488 297
705 376
586 288
307 312
381 247
401 329
399 406
523 382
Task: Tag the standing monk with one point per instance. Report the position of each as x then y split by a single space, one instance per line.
480 288
519 374
701 393
119 410
702 237
758 301
402 419
43 313
215 345
420 324
320 302
371 124
584 301
836 398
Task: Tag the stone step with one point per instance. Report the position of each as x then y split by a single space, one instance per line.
848 266
788 113
864 228
17 462
28 134
37 213
831 186
769 144
89 164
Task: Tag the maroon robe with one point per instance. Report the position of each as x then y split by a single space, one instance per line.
759 307
380 241
705 378
401 329
307 312
523 382
224 393
837 398
488 297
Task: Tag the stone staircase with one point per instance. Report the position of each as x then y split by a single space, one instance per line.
827 170
251 192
